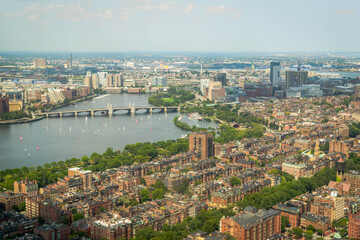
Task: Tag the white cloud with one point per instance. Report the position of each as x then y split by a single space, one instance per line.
345 12
161 7
31 18
125 14
81 11
221 9
237 15
189 8
107 14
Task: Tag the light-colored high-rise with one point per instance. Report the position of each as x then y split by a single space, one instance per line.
114 80
39 63
102 78
95 81
159 81
215 90
110 80
118 80
87 80
204 84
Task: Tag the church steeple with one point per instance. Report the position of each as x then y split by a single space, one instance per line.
317 148
340 169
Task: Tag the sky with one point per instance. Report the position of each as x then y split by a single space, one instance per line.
183 25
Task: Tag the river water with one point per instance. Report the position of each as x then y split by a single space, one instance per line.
59 139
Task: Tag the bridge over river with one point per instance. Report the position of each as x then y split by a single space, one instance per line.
107 111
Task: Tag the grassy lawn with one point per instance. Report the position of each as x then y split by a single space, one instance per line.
169 100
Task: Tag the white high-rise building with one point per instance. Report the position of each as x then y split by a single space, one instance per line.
102 78
159 81
204 84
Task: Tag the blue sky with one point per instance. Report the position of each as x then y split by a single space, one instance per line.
186 25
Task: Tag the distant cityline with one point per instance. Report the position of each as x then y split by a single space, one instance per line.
191 53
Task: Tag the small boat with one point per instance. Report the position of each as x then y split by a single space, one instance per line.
20 138
159 119
60 130
85 118
29 155
105 124
98 130
25 150
37 147
70 128
83 131
123 128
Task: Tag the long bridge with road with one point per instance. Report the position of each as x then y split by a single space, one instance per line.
108 111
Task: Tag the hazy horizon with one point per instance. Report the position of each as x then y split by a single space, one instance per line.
144 26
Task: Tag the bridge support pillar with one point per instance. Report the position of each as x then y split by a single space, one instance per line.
132 108
75 114
60 115
110 111
47 115
150 110
165 109
92 113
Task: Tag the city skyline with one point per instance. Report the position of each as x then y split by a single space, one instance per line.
179 26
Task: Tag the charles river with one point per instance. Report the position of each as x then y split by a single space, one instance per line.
63 138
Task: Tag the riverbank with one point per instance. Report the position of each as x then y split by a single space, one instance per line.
185 126
37 118
19 121
73 102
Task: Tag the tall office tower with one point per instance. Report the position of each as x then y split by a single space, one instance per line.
159 81
296 78
71 64
39 63
95 81
110 80
275 74
202 143
215 90
118 80
204 84
102 78
220 77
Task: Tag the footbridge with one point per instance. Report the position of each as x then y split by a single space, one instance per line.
110 110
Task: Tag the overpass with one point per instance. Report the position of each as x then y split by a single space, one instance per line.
107 111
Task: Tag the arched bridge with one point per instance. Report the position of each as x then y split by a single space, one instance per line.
108 111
